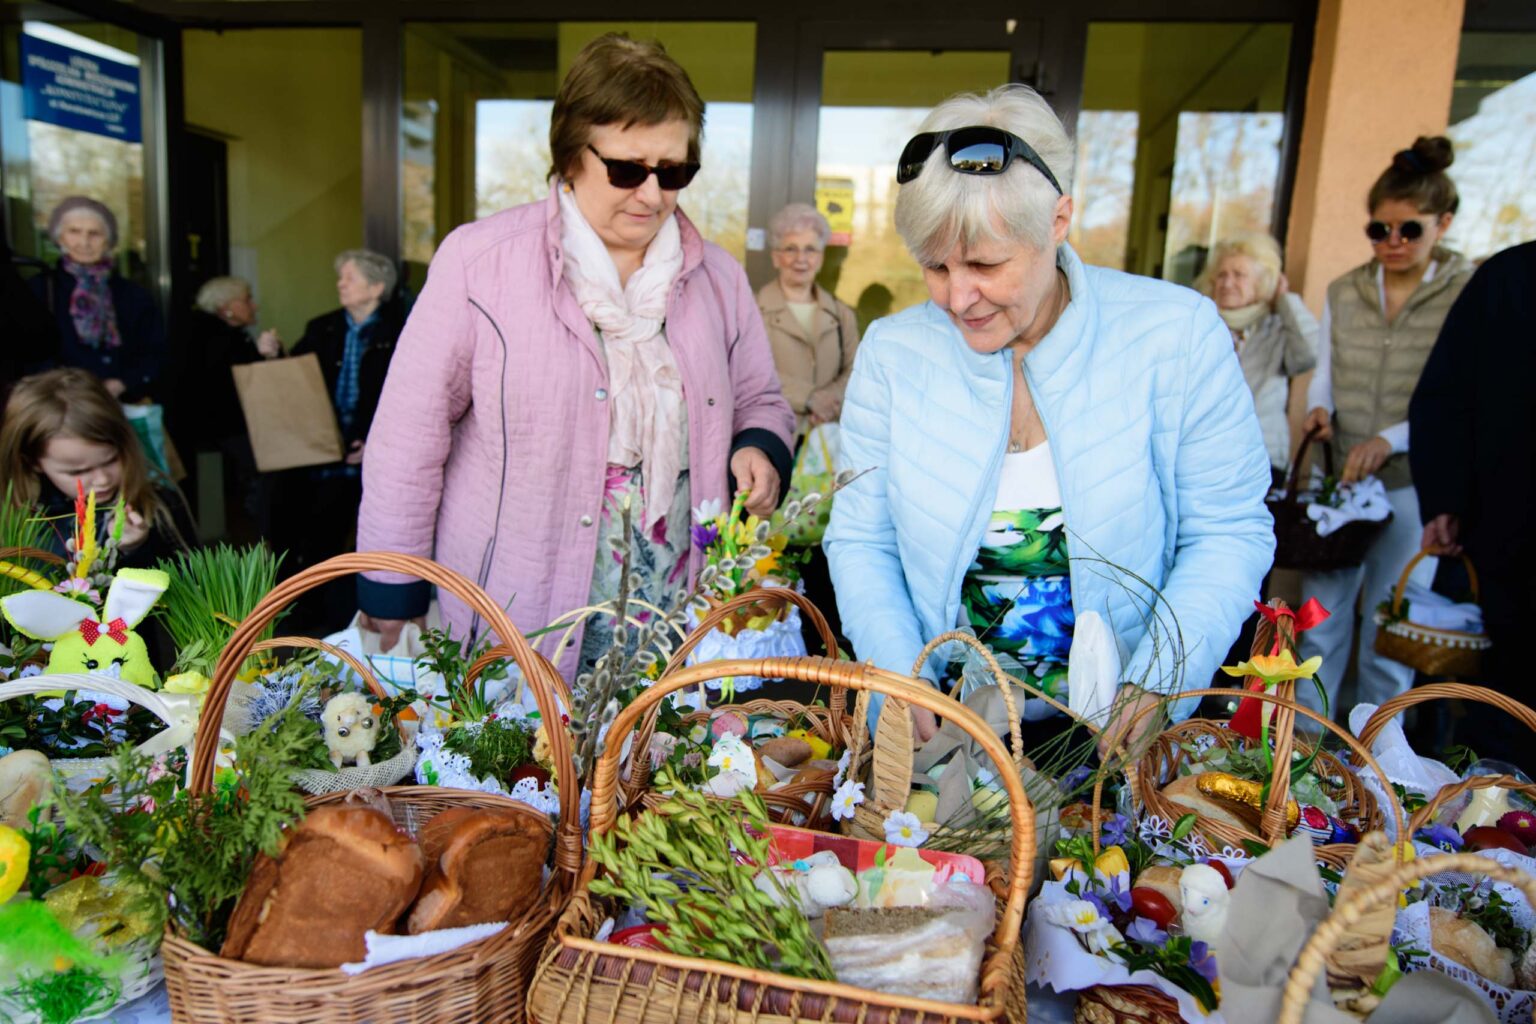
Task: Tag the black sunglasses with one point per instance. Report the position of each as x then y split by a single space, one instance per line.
632 173
1408 231
979 149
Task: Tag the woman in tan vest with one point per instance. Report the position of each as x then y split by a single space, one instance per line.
812 331
1379 324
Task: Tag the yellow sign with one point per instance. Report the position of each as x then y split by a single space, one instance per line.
834 198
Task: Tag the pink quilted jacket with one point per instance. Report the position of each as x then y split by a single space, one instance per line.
488 452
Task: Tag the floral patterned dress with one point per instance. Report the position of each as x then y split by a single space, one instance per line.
1017 595
658 556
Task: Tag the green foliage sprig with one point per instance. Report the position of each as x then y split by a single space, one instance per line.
451 659
680 862
1486 907
196 850
495 747
212 591
1170 960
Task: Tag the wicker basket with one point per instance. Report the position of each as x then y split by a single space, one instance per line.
483 981
807 803
1313 957
1434 652
1297 543
582 980
1125 1004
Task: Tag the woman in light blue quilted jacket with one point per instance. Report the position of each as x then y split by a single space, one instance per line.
1043 440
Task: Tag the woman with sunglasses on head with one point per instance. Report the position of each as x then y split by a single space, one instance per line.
1043 439
568 356
1379 324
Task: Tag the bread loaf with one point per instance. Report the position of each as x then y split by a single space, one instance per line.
484 865
345 870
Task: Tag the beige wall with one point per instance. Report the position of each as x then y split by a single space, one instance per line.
1382 73
290 103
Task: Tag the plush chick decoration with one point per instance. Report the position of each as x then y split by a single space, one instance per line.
84 641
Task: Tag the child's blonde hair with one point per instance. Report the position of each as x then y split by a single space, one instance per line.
72 403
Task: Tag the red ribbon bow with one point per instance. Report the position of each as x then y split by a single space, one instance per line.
117 629
1248 718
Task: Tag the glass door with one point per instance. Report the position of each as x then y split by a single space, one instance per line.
871 96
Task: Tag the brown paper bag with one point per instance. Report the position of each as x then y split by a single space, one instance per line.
288 412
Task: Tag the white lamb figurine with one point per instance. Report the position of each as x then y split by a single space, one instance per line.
351 730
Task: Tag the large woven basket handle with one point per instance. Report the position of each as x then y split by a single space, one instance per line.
246 637
1424 814
504 652
851 676
708 623
1402 581
33 555
1441 691
145 698
1273 831
1283 730
1293 482
1310 963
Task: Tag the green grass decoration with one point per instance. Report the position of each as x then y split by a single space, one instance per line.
212 591
20 527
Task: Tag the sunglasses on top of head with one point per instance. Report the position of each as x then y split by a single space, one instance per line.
632 173
979 149
1408 230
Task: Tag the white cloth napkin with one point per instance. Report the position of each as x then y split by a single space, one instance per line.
389 949
1427 608
1093 667
1364 501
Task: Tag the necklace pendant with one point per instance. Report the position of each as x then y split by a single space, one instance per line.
1014 447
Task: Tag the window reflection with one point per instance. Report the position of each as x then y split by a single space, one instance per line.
1493 125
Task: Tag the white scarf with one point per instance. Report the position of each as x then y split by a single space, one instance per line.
645 390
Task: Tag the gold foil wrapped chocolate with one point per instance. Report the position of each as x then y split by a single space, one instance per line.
1221 786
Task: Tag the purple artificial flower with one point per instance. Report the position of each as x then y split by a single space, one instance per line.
1097 899
1443 836
1117 829
1203 962
705 534
1074 779
1120 892
1145 930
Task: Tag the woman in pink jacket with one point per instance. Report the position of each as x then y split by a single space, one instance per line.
569 354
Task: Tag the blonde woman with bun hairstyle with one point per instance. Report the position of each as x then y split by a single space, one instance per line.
1379 324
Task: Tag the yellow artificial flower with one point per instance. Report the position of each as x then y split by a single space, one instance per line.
15 852
1275 668
187 682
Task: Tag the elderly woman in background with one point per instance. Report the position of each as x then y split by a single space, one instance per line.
1274 333
107 324
812 332
1041 434
316 513
569 356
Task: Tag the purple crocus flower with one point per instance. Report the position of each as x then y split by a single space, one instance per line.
1097 899
1443 836
704 535
1117 828
1146 931
1120 894
1074 779
1201 959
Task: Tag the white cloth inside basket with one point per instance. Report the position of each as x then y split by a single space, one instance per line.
389 949
1365 501
1427 608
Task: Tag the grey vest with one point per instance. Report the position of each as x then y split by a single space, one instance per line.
1376 364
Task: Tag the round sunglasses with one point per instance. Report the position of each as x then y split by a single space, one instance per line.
1408 230
978 149
632 173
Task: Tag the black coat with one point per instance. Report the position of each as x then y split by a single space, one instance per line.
31 337
203 405
138 362
1473 427
326 336
161 544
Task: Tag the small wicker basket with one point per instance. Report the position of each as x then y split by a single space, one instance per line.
1434 652
1297 543
483 981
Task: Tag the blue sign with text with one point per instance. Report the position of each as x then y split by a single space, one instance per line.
79 90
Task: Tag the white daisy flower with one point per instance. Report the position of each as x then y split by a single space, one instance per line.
1079 915
733 757
902 828
842 769
708 511
848 796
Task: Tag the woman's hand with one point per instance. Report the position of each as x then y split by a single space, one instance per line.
1281 287
1365 459
1129 723
135 529
1320 420
824 407
1443 533
269 344
755 474
355 454
924 724
388 629
114 387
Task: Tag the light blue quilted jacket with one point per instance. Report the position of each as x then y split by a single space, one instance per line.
1157 447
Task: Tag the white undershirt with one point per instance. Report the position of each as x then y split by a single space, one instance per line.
1028 480
1320 391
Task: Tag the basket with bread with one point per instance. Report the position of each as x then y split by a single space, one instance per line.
407 902
702 908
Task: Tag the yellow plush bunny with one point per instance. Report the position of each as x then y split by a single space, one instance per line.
84 641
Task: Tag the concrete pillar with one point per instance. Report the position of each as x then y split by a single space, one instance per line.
1382 73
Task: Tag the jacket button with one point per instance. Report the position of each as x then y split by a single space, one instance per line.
601 394
586 520
711 401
